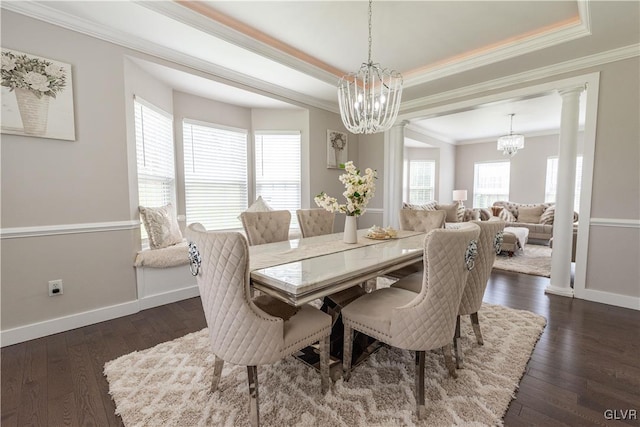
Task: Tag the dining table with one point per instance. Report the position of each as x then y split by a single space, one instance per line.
299 271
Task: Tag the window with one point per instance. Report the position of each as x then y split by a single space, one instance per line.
551 185
490 183
277 160
154 156
215 174
422 176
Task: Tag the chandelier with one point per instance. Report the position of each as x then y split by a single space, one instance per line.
370 98
510 144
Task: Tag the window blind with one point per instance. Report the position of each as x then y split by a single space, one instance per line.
278 172
154 156
491 183
422 175
215 174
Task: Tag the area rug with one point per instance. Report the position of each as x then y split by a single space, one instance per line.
534 260
168 385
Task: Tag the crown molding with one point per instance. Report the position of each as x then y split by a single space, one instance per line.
594 60
501 53
429 133
50 15
188 16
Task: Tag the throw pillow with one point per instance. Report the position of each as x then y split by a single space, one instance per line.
548 215
530 215
485 214
506 216
495 210
161 225
258 206
429 206
451 210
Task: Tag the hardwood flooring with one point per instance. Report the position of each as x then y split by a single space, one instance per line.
586 363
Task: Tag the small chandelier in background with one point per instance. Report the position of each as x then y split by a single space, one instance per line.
370 98
510 144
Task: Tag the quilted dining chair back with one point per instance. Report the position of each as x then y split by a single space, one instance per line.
315 222
266 227
429 320
419 220
490 238
231 316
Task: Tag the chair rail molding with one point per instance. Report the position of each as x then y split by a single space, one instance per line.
53 230
615 222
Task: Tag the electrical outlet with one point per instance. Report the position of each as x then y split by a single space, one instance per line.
55 287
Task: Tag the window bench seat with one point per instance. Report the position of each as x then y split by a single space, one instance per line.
163 276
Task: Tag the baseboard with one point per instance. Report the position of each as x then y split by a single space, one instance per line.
66 323
624 301
78 320
169 297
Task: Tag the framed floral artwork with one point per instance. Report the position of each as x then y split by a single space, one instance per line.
37 96
336 149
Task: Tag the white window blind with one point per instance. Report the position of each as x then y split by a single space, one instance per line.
215 174
490 183
154 154
422 176
278 172
551 184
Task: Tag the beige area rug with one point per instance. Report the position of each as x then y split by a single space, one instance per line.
534 260
167 385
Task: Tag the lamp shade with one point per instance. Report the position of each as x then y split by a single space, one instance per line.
460 195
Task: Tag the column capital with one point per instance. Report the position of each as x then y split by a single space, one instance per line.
577 90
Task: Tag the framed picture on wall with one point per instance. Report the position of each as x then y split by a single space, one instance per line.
37 96
336 149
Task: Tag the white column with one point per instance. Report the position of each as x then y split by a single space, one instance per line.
393 158
560 283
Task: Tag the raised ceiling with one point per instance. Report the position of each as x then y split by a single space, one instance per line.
295 51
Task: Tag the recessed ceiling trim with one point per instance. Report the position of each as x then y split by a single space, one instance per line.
62 19
594 60
559 33
210 21
429 133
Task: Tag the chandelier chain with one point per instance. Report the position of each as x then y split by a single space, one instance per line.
370 7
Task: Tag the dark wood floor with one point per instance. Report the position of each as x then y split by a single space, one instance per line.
586 362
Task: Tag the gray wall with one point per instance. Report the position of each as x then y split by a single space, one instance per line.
427 153
528 166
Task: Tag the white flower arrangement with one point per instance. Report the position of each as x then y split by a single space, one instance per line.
39 76
359 190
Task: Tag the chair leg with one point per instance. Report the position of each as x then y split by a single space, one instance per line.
217 373
325 380
448 361
475 322
347 351
254 412
421 409
457 344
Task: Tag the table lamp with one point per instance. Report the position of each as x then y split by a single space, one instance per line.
460 196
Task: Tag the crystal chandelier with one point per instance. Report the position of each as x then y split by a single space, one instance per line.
510 144
370 98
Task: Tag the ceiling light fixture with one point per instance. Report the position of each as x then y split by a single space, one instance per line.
370 98
510 144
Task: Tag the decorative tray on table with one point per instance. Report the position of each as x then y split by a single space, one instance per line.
379 233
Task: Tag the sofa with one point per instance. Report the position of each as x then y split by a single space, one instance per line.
537 217
455 211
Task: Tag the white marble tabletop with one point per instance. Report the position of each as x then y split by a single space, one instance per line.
301 281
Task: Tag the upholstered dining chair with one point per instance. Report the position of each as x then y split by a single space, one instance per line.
266 227
423 321
315 222
417 220
489 243
246 331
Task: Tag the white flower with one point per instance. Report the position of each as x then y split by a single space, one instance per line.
37 81
54 70
358 191
8 63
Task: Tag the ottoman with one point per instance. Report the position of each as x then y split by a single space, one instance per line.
514 238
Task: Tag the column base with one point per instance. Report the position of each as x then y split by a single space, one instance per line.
562 291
